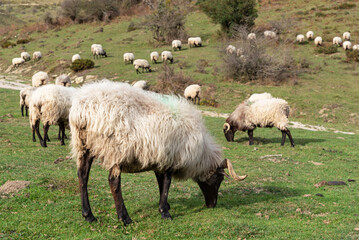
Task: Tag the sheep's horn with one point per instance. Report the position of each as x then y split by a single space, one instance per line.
227 164
226 127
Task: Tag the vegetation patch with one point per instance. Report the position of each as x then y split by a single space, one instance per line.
7 44
23 41
352 55
82 64
327 49
345 6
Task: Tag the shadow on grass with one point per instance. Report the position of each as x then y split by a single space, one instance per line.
264 141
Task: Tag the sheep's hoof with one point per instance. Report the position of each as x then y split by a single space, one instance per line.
62 143
34 140
166 215
126 221
90 219
43 144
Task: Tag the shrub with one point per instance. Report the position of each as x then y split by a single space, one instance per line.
345 6
352 55
327 49
201 64
82 64
23 41
7 44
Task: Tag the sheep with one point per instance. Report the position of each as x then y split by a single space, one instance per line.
17 62
140 84
230 49
37 56
310 35
51 105
63 80
192 93
347 45
337 41
98 51
25 95
176 44
128 57
355 47
75 57
259 96
25 56
131 131
261 113
251 36
142 63
318 41
346 36
39 79
270 34
167 55
194 41
93 46
300 38
154 57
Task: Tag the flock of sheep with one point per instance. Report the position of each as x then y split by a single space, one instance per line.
318 41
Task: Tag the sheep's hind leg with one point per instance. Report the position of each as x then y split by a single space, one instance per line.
250 136
290 137
33 133
164 183
160 177
46 131
42 142
22 110
284 135
115 185
62 127
26 110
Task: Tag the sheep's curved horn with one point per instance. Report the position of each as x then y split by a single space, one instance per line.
226 127
227 164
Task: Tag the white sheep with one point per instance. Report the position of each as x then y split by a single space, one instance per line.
355 47
337 41
251 36
167 56
192 92
154 57
194 42
131 131
318 41
310 35
272 112
140 84
63 80
270 34
128 57
75 57
25 95
36 56
98 51
259 96
300 38
93 46
141 63
230 49
347 45
39 79
346 36
176 45
17 62
25 56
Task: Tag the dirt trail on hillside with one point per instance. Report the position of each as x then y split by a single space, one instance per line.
12 85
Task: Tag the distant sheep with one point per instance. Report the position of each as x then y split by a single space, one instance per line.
300 38
75 57
63 80
97 51
194 42
230 49
192 92
347 45
39 79
36 56
355 47
142 63
346 36
93 46
154 57
310 35
251 36
141 84
337 41
272 112
259 96
25 95
318 41
270 34
17 62
167 56
128 57
176 45
25 56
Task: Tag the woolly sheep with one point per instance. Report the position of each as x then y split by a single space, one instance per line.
194 41
259 96
36 56
17 62
93 46
75 57
176 44
355 48
272 112
39 79
346 36
318 41
230 49
50 104
251 36
132 131
192 93
347 45
337 41
142 63
310 35
167 56
25 56
25 95
270 34
98 51
128 57
300 38
63 80
140 84
154 57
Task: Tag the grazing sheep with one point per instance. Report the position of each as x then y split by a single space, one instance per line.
347 45
259 96
346 36
194 41
142 63
230 49
17 62
93 46
300 38
355 48
270 34
251 36
310 35
128 57
50 104
37 56
63 80
98 51
39 79
176 44
192 93
154 57
272 112
141 84
25 95
131 131
25 56
318 41
75 57
337 41
167 56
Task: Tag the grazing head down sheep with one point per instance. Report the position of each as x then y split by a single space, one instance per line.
192 93
17 62
132 131
75 57
270 34
39 79
310 35
142 63
140 84
230 49
128 57
63 80
347 45
25 95
251 36
337 41
262 113
259 96
97 51
300 38
154 57
194 42
25 56
346 36
36 56
176 45
167 56
318 41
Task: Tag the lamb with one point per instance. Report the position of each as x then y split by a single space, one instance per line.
128 57
337 41
259 96
176 44
39 79
75 57
154 57
346 36
310 35
270 34
167 55
230 49
17 62
51 105
131 131
251 36
194 41
142 63
37 56
192 93
262 113
300 38
25 56
141 84
347 45
25 95
63 80
318 41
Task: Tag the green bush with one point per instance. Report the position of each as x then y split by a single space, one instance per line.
327 49
7 44
352 55
82 64
23 41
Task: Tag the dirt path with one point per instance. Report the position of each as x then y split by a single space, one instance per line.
12 85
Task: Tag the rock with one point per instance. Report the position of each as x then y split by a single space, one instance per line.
320 184
90 78
334 183
351 180
58 160
79 80
13 186
307 195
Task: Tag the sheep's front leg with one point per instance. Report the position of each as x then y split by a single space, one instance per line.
22 110
250 135
42 142
62 128
83 175
33 133
115 185
160 177
46 130
26 110
290 137
164 183
284 135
